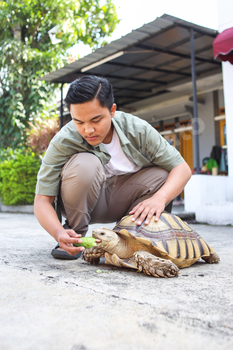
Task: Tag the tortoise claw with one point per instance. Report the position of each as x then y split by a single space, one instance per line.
92 255
154 266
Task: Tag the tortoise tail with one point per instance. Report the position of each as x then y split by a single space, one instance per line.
212 259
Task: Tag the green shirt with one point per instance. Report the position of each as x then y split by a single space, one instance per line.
139 140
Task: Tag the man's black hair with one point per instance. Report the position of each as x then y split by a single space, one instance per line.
89 87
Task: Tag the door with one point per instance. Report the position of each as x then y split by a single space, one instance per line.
186 146
222 130
186 149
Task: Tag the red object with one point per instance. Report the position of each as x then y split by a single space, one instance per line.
223 45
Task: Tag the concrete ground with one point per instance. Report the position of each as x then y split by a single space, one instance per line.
70 305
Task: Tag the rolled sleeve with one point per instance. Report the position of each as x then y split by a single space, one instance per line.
160 152
147 147
48 178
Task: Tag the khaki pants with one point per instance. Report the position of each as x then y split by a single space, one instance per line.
87 197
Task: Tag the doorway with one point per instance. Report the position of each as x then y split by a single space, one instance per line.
186 147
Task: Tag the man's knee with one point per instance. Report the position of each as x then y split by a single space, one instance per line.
83 168
152 178
81 180
161 174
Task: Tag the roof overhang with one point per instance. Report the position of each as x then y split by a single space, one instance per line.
147 62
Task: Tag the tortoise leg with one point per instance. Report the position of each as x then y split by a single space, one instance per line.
154 266
145 262
113 259
108 258
92 255
212 259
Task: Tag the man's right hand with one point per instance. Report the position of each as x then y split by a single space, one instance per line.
66 238
47 217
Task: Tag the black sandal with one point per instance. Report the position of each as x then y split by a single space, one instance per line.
63 255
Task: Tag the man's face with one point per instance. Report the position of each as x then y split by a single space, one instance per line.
93 121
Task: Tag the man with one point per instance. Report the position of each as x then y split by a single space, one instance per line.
103 165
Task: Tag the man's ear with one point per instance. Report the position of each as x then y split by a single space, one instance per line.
113 110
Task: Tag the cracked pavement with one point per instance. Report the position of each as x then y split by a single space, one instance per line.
55 304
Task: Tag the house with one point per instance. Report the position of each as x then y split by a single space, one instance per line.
165 72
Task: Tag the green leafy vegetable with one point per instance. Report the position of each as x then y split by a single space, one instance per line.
87 242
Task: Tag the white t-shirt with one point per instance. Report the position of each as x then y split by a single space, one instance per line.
119 163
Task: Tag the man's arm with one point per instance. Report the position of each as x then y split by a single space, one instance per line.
175 183
47 217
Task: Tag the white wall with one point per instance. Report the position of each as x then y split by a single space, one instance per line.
210 198
225 19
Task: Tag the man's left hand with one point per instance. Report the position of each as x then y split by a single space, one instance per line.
147 208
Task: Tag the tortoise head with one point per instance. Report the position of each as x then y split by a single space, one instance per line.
108 238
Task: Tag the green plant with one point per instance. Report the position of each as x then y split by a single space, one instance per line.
22 95
28 50
6 153
18 177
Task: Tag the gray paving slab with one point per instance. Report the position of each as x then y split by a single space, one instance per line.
54 304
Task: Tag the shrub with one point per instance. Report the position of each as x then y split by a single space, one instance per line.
6 153
41 133
18 173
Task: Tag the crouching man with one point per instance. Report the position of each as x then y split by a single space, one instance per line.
102 165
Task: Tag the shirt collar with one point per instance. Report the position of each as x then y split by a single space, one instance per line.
123 139
120 133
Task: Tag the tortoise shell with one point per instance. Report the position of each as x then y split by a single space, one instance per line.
169 238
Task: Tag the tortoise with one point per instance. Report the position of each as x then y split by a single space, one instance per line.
158 249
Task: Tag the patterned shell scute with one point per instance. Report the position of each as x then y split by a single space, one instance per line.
169 236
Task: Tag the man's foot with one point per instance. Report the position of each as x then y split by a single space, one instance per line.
59 253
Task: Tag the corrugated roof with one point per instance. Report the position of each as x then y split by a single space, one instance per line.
155 57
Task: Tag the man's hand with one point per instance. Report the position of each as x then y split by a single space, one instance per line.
176 180
66 238
147 208
47 217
